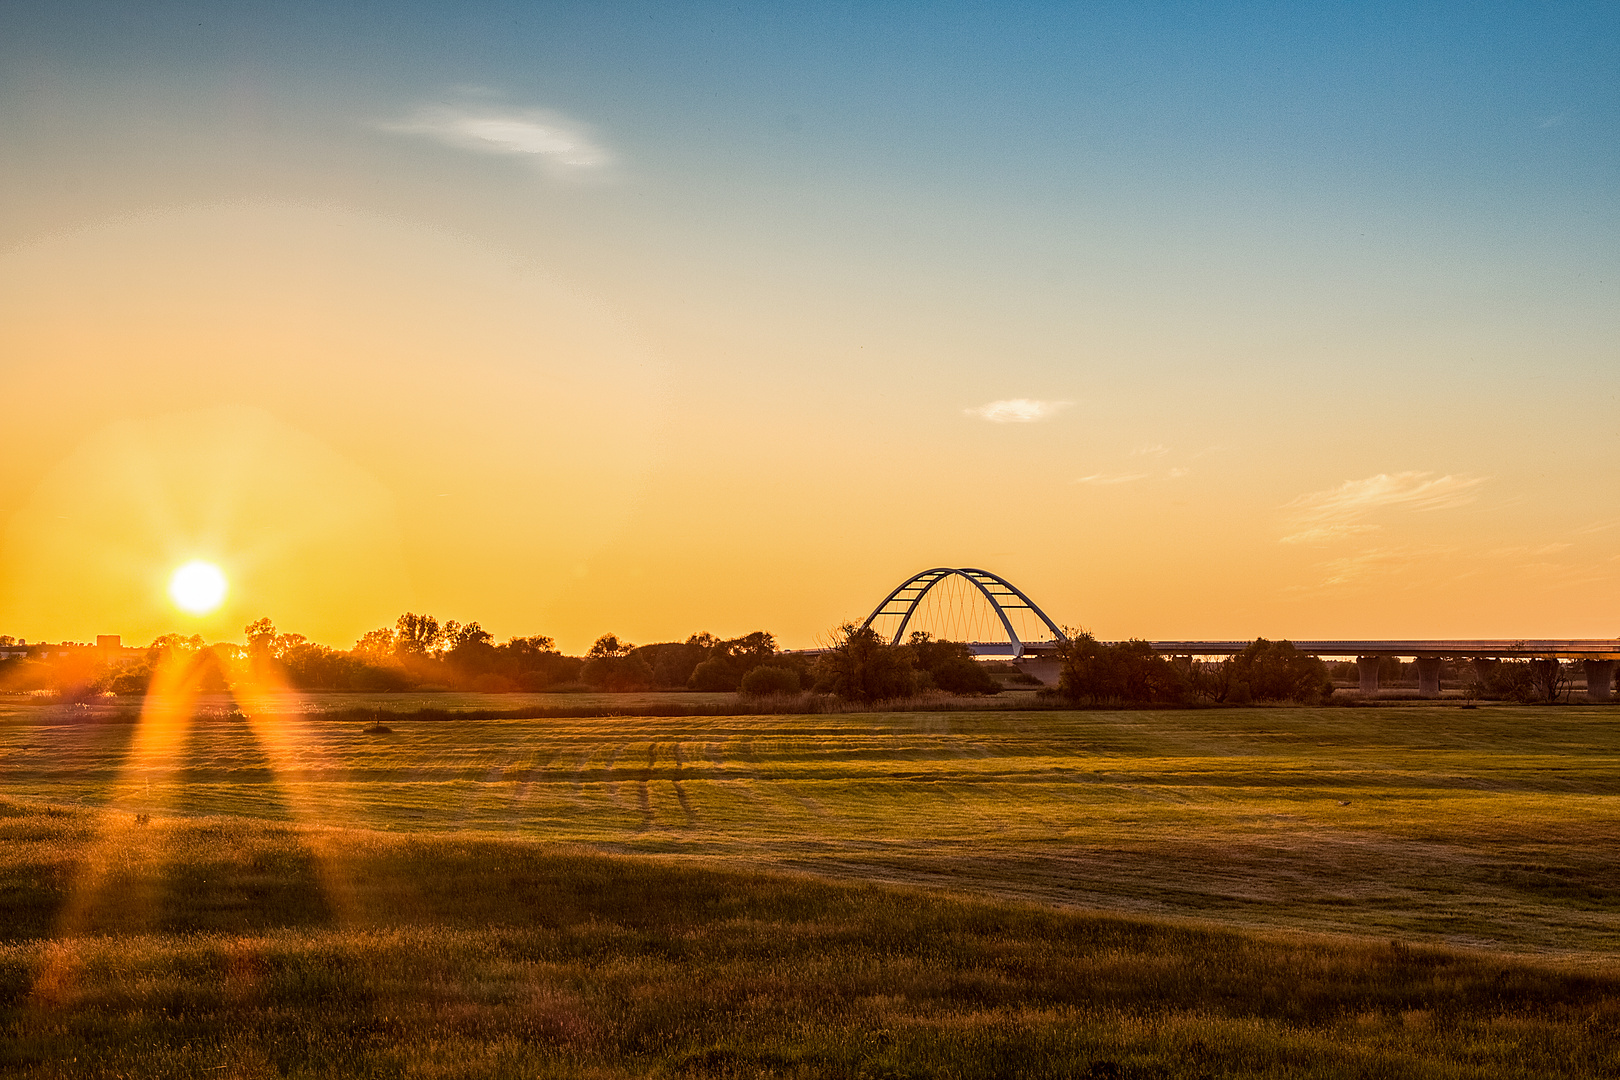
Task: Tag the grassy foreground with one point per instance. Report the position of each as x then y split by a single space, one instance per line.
1489 828
230 947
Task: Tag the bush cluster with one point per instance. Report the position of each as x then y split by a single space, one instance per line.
1134 673
860 666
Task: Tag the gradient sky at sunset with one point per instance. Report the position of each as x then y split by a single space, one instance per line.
1193 320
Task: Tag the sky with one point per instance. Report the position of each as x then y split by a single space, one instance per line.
1192 320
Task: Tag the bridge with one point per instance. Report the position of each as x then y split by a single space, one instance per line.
1032 636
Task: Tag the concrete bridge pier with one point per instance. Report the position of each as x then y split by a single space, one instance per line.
1367 668
1599 679
1428 671
1048 669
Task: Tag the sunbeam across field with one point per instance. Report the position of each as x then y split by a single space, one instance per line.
1480 828
1277 893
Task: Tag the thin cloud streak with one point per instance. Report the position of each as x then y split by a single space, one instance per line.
562 146
1112 478
1018 410
1324 516
1371 565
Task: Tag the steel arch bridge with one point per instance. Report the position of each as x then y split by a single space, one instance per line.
1002 595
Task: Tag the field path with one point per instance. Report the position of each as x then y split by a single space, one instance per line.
680 788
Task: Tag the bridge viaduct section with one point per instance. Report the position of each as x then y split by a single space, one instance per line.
1598 656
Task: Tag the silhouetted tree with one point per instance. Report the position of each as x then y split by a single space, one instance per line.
705 662
1125 673
949 666
714 675
376 645
471 652
1276 671
164 647
419 636
535 664
610 665
861 666
768 680
1548 678
672 662
261 637
609 645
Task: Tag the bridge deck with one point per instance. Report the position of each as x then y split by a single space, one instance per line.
1462 648
1477 648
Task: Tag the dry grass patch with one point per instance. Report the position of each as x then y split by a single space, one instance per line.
1477 828
230 947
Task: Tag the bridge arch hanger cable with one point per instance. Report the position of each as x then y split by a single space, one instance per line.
1002 595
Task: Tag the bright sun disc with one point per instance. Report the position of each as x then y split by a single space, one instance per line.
197 587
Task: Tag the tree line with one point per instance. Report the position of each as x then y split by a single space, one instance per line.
418 652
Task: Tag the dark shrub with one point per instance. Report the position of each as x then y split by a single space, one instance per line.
717 674
768 679
950 666
618 674
862 667
1127 672
1276 671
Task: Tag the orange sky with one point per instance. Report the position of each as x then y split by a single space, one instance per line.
355 417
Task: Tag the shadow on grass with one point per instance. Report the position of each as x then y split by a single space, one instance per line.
476 957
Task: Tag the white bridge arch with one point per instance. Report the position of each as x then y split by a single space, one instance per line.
1003 597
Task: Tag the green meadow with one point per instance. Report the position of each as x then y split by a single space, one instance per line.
1413 891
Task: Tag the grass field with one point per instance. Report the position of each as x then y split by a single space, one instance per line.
1286 893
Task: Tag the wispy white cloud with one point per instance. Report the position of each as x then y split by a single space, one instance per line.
562 146
1323 516
1017 410
1323 534
1374 565
1156 450
1127 478
1523 550
1112 478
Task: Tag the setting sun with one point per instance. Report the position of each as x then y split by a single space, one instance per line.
197 587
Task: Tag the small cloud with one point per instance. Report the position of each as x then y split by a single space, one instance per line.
563 146
1321 516
1364 564
1373 564
1111 478
1526 551
1156 450
1178 472
1554 121
1017 410
1323 534
1596 527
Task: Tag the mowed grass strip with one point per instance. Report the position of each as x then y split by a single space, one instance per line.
1483 828
232 947
1491 827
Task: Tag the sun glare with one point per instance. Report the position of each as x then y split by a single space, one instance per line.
197 587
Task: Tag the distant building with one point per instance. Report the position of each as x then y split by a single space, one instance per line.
109 651
115 654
